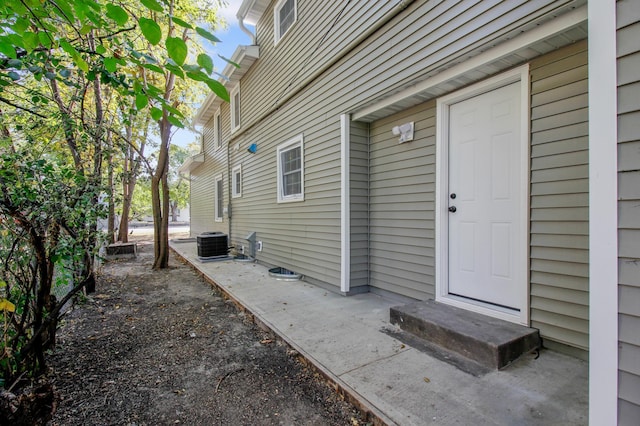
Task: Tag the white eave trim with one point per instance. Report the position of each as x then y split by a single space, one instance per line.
544 31
250 11
244 56
191 163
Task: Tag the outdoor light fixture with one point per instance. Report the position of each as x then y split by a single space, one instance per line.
405 131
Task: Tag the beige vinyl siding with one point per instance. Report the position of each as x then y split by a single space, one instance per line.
305 236
202 197
559 196
628 52
413 45
359 203
401 199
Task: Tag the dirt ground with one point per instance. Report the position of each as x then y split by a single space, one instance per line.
163 348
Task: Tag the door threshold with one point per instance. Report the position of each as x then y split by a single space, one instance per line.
491 310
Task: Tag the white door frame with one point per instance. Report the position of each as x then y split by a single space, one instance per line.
520 74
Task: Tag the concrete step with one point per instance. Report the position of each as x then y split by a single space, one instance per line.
491 342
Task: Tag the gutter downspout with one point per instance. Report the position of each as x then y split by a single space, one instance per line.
399 7
245 30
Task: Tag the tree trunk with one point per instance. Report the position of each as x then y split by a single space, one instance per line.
111 219
174 211
131 168
160 199
159 181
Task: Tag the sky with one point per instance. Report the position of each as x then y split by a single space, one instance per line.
231 37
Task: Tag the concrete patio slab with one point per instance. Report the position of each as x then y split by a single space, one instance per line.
348 340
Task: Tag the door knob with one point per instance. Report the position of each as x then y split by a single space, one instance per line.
453 196
452 209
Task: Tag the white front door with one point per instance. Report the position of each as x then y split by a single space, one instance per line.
484 198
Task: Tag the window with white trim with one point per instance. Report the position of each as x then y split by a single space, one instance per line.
219 199
217 130
235 108
285 14
291 170
236 181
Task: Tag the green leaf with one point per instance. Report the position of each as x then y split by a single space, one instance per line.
191 67
176 122
117 13
229 61
152 5
205 62
141 101
81 63
177 49
150 59
151 30
21 25
86 29
31 40
6 47
182 23
175 69
64 10
14 63
206 34
14 76
110 64
100 49
67 47
45 40
217 88
197 76
50 75
153 68
156 113
172 110
65 72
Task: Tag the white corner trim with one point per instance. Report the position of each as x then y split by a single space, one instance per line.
521 75
603 215
345 211
524 40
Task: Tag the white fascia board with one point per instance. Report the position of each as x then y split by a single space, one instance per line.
244 56
191 163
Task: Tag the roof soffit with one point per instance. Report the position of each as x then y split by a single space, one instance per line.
251 11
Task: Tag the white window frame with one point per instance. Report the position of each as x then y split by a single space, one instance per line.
236 120
217 130
293 143
219 198
276 19
236 180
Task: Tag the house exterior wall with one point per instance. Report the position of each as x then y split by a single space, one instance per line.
560 196
305 237
402 204
359 203
203 178
414 43
628 53
402 200
392 219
